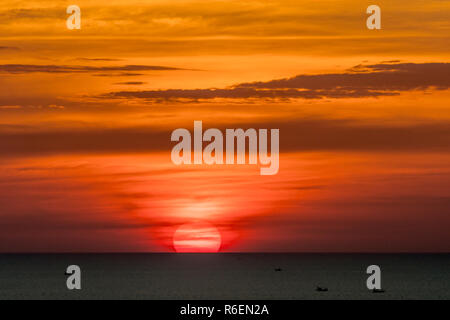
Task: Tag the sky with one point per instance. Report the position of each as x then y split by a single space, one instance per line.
86 117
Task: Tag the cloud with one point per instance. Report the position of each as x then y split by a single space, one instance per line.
97 59
31 68
384 79
21 107
371 219
9 48
11 107
75 217
120 74
15 14
131 83
296 136
84 141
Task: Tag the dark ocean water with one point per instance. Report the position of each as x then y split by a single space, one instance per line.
224 276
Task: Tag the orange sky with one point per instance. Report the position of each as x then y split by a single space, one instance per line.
86 117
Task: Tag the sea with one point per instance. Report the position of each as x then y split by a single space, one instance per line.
224 276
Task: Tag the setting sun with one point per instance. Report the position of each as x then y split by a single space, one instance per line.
197 237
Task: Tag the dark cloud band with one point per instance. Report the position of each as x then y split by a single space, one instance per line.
385 79
31 68
295 136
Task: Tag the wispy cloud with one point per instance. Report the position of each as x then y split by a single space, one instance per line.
98 59
9 48
33 68
384 79
131 83
298 135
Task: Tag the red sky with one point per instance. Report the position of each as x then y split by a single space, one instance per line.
86 117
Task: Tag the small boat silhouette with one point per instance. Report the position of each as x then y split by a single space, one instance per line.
278 269
321 289
378 290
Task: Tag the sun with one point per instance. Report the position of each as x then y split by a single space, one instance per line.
197 237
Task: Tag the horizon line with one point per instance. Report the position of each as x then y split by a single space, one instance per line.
233 252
